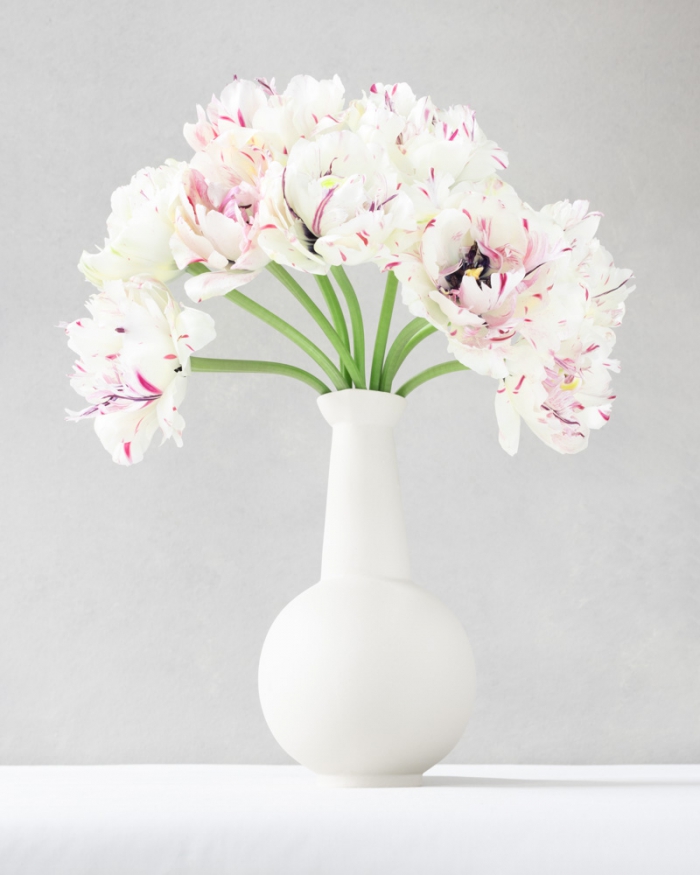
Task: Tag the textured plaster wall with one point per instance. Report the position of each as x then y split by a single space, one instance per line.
134 603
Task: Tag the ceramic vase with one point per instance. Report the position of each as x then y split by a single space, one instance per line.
366 678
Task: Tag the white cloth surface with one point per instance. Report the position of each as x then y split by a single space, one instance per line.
275 820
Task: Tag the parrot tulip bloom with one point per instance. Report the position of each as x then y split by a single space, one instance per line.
140 227
560 399
272 121
336 202
479 273
421 139
134 361
216 226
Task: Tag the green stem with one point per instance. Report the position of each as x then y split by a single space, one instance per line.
430 374
358 326
288 280
295 336
383 330
415 340
242 366
336 311
196 268
400 349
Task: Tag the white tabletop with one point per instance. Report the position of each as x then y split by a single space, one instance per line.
275 820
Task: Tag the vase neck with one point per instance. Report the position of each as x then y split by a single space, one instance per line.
365 532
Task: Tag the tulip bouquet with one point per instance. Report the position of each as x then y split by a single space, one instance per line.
298 182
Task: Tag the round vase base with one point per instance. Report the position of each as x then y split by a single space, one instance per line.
370 780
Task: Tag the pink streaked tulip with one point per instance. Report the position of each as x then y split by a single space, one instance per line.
559 371
283 236
422 140
479 274
461 149
237 107
308 107
274 121
134 360
589 265
216 225
561 398
336 202
392 117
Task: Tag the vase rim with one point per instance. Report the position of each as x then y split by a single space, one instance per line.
361 407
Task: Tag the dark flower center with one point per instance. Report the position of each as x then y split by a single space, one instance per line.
308 237
474 263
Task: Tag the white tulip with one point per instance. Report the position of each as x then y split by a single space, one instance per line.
140 227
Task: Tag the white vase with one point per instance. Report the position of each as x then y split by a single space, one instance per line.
366 678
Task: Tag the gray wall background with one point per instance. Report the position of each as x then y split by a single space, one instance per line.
134 602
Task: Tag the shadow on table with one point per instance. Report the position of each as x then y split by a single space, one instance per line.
526 783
